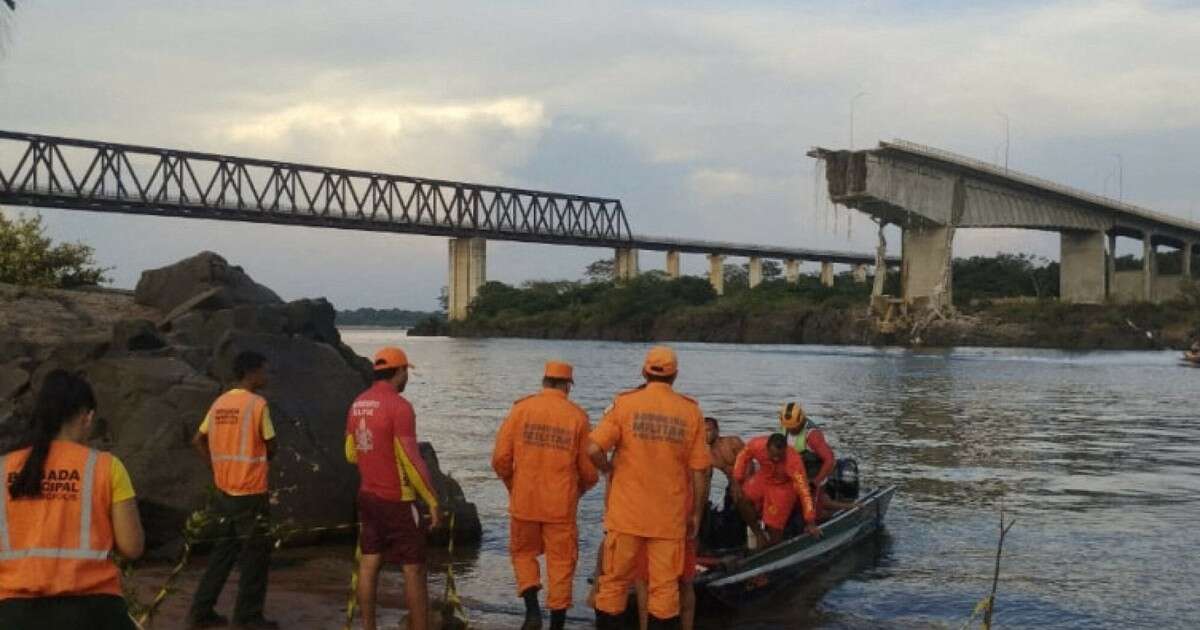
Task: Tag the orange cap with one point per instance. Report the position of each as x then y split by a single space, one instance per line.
391 358
660 361
559 369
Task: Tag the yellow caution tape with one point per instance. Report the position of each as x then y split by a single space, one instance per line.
352 601
980 608
452 607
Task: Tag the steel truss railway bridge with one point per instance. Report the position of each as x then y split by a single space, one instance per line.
55 172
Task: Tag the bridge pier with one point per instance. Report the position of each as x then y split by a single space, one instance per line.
716 273
1189 250
626 264
673 264
1149 266
792 271
860 274
1112 266
924 268
1082 267
756 275
468 272
826 273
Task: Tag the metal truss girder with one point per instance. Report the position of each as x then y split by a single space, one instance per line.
116 177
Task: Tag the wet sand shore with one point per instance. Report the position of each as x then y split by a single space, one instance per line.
309 588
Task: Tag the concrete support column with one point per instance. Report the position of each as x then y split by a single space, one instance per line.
1189 250
1112 265
1082 267
755 271
860 274
1149 267
673 264
625 267
716 273
468 272
924 272
826 273
792 271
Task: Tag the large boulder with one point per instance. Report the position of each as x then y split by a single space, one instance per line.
158 358
169 287
149 409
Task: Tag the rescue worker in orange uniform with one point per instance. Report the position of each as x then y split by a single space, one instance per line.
808 440
541 456
238 438
660 465
770 492
381 438
63 509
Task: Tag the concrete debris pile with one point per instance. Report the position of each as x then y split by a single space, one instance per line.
159 356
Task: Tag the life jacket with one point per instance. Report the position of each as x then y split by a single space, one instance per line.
812 462
239 453
59 543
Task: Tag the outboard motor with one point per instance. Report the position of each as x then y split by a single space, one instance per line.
843 483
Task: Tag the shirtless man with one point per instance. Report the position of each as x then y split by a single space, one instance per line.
724 453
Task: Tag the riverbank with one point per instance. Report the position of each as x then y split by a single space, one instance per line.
655 309
309 588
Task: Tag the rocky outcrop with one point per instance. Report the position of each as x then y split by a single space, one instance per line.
206 273
159 356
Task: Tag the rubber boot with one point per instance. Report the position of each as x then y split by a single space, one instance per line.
654 623
533 612
605 621
558 619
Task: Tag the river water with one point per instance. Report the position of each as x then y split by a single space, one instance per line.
1096 456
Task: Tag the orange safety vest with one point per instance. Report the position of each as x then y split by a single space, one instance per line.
239 453
59 543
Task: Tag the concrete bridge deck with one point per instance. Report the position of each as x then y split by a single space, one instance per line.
930 193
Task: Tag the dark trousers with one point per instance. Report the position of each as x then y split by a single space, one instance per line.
96 612
243 525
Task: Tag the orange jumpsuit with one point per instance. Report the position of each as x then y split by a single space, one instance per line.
541 455
774 487
658 435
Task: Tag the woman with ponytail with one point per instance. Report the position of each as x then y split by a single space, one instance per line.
64 509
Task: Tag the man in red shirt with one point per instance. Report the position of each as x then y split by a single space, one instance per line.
773 487
381 438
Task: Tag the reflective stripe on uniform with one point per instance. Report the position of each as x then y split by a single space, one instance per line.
85 500
4 507
237 458
71 554
245 429
83 551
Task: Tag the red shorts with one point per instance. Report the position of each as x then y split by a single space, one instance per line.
773 500
391 529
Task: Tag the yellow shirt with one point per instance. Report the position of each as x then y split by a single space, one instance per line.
122 486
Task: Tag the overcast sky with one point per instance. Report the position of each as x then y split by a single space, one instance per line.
697 116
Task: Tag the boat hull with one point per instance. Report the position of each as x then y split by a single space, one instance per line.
764 572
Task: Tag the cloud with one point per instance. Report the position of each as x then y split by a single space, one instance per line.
343 121
697 117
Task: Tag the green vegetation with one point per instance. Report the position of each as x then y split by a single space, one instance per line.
1011 300
1003 276
653 306
29 258
384 317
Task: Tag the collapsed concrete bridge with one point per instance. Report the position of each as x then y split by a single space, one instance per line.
929 193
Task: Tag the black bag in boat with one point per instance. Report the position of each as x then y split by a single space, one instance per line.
723 528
